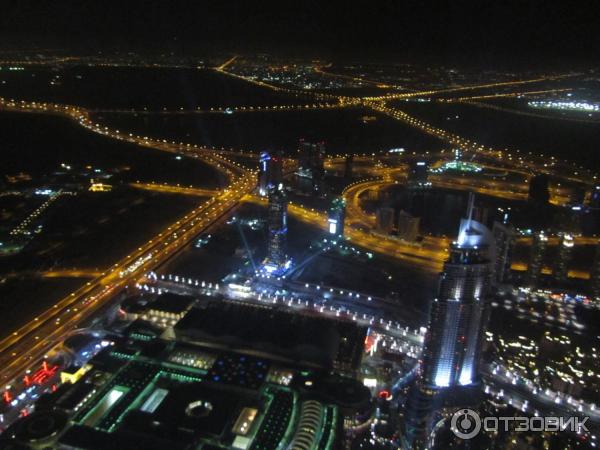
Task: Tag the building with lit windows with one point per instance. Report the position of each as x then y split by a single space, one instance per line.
458 316
201 390
536 259
565 252
270 172
311 170
277 261
167 310
336 217
384 219
595 276
504 239
454 338
418 175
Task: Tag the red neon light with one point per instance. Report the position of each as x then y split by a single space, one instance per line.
44 374
7 397
384 394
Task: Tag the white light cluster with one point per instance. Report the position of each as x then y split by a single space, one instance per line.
571 106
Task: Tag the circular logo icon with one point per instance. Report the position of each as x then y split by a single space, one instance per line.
465 423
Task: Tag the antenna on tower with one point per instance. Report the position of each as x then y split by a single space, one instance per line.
470 206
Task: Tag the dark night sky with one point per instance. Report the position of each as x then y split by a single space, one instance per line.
483 32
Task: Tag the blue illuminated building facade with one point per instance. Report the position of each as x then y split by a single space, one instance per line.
277 262
336 217
453 343
270 172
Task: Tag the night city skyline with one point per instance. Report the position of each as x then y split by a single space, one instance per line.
308 226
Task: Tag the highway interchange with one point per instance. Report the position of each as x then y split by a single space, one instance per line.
24 348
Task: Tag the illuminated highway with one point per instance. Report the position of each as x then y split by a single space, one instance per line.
30 343
515 160
502 95
361 80
543 165
465 88
221 110
170 189
26 346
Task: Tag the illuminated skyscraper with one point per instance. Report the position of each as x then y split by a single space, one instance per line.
270 172
336 217
276 261
311 159
565 250
452 348
504 237
453 342
538 249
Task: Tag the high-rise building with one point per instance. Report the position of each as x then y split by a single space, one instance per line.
276 261
418 175
336 217
385 219
348 167
594 197
565 251
311 159
270 172
595 276
408 226
373 195
453 343
422 402
539 190
536 259
504 238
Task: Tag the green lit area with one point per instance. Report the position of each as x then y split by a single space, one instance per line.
103 407
458 166
161 392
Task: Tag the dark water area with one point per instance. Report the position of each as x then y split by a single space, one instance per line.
342 130
441 210
153 88
37 144
575 141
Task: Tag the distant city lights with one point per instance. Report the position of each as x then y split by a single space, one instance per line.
568 106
